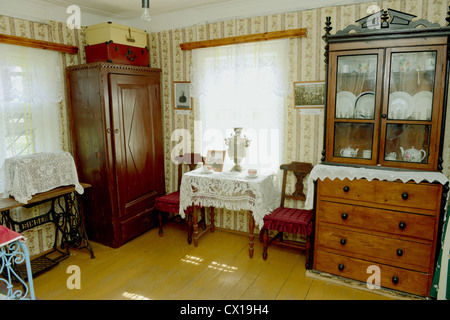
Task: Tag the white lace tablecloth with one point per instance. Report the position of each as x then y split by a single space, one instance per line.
28 175
322 171
230 190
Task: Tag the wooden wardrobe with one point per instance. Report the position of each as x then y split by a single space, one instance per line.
117 137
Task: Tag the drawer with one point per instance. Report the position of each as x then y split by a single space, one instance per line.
406 195
399 253
381 220
390 277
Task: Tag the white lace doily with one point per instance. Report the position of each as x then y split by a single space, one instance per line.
28 175
230 190
322 171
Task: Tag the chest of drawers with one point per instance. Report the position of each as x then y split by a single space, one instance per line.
389 227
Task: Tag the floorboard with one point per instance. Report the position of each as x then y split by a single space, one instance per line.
168 268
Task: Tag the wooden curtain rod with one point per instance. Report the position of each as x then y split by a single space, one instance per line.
294 33
26 42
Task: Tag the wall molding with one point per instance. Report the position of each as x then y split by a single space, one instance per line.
294 33
33 43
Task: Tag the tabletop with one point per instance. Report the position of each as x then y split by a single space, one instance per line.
8 203
231 190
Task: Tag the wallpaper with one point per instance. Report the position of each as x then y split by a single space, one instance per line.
304 131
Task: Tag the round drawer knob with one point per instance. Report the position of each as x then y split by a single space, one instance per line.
346 189
399 252
402 225
405 195
395 279
341 267
344 216
343 241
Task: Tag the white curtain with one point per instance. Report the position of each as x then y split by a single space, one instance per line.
30 96
244 86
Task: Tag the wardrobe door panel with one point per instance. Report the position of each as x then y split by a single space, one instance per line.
134 143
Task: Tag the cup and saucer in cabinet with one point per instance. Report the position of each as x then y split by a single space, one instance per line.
392 156
348 152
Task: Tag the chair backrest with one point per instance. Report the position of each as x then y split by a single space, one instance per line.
300 171
189 159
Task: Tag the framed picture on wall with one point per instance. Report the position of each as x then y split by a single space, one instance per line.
309 94
182 95
215 160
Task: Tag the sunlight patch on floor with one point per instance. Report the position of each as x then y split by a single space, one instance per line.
134 296
222 267
192 260
213 265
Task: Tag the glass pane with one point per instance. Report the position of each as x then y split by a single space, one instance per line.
411 85
353 140
409 143
355 87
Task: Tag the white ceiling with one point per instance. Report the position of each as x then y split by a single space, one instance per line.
166 14
132 8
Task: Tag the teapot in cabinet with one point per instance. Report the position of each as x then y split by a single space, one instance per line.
349 152
413 155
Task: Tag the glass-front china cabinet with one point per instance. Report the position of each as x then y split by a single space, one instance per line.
386 96
380 198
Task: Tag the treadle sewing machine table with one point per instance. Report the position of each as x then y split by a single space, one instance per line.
68 221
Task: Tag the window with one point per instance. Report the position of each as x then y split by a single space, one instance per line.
244 86
30 97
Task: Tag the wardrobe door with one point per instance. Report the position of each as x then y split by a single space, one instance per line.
136 130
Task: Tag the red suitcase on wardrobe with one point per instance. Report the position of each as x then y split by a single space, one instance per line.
117 53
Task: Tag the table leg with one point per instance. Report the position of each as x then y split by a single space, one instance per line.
251 232
212 219
189 220
195 225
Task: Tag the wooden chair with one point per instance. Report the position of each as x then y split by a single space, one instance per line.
170 203
296 221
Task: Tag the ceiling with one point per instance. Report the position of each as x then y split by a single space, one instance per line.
130 9
166 14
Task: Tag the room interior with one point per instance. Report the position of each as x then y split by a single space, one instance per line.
172 24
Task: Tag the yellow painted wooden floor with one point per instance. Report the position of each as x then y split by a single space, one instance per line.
167 268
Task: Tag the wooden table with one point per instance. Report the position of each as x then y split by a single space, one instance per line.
230 190
68 220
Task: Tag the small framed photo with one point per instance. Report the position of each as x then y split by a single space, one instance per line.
182 95
310 94
215 159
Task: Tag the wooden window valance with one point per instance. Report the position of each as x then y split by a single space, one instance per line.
294 33
33 43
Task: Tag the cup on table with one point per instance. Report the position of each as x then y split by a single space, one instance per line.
206 168
252 172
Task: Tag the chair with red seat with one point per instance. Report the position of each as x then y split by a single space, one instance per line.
170 203
289 220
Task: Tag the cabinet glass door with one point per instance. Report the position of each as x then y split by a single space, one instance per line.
410 106
355 87
355 109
